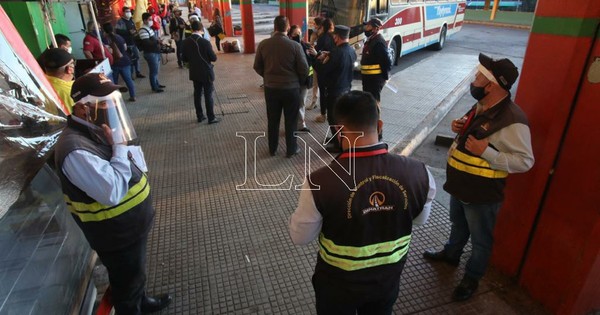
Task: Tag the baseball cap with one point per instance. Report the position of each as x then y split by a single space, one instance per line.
375 22
95 84
55 58
503 70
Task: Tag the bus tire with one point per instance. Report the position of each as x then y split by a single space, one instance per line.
442 42
394 48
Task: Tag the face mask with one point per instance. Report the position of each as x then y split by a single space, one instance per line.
70 50
369 33
478 92
128 15
149 23
296 38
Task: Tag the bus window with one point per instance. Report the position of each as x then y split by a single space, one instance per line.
378 7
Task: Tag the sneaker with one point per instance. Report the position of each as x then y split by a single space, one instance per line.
161 86
132 99
214 121
321 118
139 75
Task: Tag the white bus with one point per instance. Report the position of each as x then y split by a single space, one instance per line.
408 25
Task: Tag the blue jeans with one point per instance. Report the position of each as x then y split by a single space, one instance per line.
153 60
126 73
135 59
476 221
206 89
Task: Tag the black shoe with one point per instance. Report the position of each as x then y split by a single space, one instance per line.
272 153
289 155
201 119
214 121
139 75
304 129
161 86
132 99
158 91
155 304
465 289
441 256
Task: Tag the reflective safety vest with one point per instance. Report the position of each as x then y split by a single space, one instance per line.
370 69
471 178
105 227
374 57
310 71
368 230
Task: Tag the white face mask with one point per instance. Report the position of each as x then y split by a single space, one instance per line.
128 15
70 50
149 23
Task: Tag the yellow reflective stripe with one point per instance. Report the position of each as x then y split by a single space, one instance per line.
99 212
370 67
329 251
310 71
370 71
469 159
483 172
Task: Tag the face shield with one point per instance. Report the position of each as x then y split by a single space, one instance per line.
109 110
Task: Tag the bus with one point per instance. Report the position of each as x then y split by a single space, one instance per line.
408 25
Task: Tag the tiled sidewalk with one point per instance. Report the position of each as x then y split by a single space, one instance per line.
219 250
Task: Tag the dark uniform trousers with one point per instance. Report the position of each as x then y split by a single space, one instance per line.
373 84
206 89
126 271
288 102
332 96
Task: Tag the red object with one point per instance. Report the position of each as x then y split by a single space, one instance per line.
226 14
105 306
247 26
554 207
295 11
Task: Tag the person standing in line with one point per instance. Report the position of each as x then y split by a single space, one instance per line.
492 141
218 25
295 34
151 52
106 189
363 232
199 55
336 73
92 45
375 63
125 27
121 66
312 41
177 29
325 42
156 22
282 64
59 68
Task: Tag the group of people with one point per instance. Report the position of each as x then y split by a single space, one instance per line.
363 219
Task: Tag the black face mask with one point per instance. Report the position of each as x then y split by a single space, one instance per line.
369 33
296 38
478 92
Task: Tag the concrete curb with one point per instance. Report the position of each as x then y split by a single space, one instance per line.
430 122
504 25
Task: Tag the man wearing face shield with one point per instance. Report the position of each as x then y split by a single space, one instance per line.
105 186
492 141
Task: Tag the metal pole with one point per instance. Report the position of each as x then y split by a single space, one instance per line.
48 25
93 13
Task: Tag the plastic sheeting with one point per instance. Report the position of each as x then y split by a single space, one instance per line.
31 116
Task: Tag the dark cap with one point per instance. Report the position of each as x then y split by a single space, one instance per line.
342 31
95 84
375 22
55 58
503 70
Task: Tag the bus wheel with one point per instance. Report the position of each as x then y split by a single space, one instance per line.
394 52
440 44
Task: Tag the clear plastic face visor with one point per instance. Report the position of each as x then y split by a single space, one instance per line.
110 110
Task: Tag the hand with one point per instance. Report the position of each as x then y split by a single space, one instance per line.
324 55
107 134
477 147
458 124
311 51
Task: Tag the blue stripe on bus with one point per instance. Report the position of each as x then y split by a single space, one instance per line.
433 12
502 3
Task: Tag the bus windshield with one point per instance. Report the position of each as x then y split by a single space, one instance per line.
344 12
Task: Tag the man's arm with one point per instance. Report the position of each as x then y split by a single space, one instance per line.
107 182
121 28
301 63
424 215
516 155
211 53
384 60
306 221
259 66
